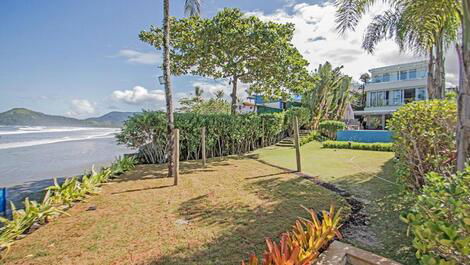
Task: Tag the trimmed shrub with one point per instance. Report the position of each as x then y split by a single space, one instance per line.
440 220
225 134
386 147
329 128
424 136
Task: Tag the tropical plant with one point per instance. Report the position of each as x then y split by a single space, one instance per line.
424 134
197 104
23 219
440 220
225 134
384 147
70 191
261 53
312 136
303 118
303 245
422 26
123 164
330 96
329 128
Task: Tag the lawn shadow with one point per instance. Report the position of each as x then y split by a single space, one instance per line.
246 227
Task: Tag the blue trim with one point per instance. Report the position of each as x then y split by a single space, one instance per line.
365 136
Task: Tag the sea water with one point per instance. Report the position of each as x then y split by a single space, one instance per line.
30 157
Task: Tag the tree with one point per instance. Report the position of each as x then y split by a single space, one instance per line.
422 26
365 77
330 96
463 117
441 16
194 6
237 47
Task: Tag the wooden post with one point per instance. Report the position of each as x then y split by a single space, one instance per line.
203 144
297 144
176 172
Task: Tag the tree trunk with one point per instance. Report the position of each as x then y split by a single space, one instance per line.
234 95
439 72
431 84
463 124
168 89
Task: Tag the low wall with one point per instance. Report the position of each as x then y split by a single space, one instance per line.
364 136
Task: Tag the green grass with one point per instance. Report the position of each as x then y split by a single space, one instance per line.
216 215
368 175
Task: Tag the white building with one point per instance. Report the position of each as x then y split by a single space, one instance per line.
391 87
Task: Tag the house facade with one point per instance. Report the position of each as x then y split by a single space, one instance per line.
391 87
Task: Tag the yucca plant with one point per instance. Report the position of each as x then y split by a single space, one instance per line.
69 192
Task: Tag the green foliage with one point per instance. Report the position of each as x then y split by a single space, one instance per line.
23 219
440 220
424 133
330 95
385 147
312 136
330 127
236 46
225 134
303 117
58 197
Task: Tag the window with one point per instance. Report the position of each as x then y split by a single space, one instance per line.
403 75
421 94
386 77
412 74
397 97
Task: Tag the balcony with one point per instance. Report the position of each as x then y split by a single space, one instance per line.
396 84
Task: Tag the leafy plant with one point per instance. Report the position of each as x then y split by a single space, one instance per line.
69 192
23 219
384 147
424 137
330 127
123 164
312 136
225 134
303 244
440 220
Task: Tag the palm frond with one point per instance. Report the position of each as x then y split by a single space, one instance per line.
349 12
192 7
382 27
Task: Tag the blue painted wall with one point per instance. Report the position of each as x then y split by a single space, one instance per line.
365 136
3 199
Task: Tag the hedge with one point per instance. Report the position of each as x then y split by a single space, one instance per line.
225 134
329 128
386 147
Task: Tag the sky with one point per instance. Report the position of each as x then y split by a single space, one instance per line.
84 58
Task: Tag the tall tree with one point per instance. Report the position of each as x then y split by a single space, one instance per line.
193 6
463 126
168 88
330 95
239 48
365 77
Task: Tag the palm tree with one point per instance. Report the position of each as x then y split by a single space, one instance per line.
365 77
422 26
219 94
426 26
193 6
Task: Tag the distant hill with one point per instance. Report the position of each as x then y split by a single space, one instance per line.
26 117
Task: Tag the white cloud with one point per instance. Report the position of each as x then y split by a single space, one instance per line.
317 39
81 107
134 56
211 87
138 95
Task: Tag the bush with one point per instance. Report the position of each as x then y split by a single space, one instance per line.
386 147
303 244
312 136
424 133
329 128
225 134
440 220
303 117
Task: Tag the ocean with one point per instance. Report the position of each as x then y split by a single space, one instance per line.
30 157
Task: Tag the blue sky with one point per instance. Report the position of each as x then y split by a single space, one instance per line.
83 58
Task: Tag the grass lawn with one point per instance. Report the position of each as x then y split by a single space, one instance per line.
217 215
368 175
